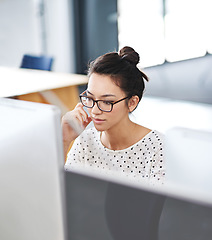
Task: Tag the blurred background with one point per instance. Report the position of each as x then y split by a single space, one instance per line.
173 38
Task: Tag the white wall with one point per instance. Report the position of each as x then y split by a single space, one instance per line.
20 32
59 32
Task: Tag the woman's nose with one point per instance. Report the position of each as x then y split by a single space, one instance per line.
95 109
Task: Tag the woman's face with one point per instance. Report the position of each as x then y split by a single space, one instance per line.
101 87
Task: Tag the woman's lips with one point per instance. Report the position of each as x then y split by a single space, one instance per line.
97 120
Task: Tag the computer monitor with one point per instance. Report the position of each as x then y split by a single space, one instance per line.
32 205
113 208
189 159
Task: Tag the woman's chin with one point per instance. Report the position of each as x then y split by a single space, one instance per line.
99 127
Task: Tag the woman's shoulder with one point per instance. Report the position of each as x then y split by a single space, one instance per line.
157 134
155 137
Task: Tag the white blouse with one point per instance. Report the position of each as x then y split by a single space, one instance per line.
143 160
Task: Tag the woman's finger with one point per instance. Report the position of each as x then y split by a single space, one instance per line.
80 108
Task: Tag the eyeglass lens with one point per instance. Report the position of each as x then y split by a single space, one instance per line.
103 105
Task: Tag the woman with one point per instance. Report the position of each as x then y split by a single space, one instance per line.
115 143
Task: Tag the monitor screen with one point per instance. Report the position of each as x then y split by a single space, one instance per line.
106 208
31 172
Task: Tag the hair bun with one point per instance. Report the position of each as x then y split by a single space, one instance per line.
130 55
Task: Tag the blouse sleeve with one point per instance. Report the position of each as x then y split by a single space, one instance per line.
75 158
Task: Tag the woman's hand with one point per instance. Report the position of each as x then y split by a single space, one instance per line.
73 123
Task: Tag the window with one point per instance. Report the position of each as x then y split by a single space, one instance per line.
162 30
140 25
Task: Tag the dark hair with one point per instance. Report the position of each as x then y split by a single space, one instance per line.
122 68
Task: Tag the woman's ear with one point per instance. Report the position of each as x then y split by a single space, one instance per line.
133 102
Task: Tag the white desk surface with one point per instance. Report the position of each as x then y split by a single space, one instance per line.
17 81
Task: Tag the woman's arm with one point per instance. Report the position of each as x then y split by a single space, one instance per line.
73 123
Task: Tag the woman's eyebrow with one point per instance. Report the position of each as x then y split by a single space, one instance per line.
105 95
108 95
89 92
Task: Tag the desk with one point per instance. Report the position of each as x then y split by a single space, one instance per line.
41 86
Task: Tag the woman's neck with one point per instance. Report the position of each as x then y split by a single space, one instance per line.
124 137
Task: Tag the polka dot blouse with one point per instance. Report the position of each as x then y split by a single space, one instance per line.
144 160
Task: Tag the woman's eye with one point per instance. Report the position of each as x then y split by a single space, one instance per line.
107 102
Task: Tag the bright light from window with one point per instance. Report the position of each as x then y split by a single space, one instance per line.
207 26
187 33
141 27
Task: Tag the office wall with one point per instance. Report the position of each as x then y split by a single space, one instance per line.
21 32
59 30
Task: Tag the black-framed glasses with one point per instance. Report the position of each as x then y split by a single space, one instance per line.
103 105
